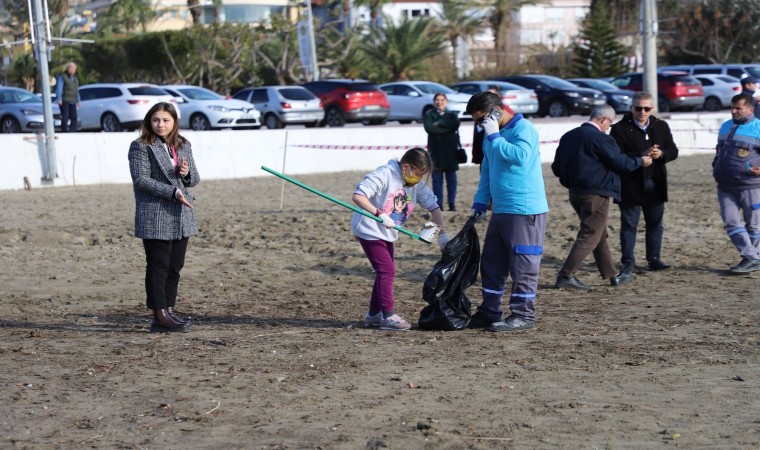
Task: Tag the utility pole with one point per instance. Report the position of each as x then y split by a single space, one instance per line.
41 29
649 40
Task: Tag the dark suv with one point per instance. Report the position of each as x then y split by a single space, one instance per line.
675 90
351 101
558 97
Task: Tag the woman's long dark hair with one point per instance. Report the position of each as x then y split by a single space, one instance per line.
147 136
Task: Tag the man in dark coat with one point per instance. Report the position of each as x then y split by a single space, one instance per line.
645 189
587 162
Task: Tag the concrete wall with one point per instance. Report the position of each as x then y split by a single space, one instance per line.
95 158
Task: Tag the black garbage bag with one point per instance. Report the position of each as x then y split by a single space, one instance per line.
448 306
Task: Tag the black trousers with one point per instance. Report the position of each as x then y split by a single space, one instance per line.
69 117
164 262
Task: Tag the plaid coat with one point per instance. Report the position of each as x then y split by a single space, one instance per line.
157 214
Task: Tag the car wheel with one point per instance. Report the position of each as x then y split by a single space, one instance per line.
334 117
10 125
110 123
199 122
272 122
311 124
662 103
557 109
712 104
375 122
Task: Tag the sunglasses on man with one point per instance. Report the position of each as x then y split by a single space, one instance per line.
643 108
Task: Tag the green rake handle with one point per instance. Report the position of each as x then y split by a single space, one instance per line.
341 203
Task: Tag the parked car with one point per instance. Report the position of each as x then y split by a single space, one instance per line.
284 105
558 97
350 101
521 100
718 89
118 106
675 90
735 70
410 100
21 111
620 99
204 109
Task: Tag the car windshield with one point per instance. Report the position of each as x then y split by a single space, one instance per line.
14 96
600 85
200 94
434 88
146 90
296 94
753 71
556 83
361 87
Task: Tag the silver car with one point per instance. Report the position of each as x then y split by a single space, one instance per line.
718 90
521 100
118 106
284 105
204 109
21 111
410 100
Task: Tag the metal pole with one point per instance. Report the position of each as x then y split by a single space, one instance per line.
341 203
39 24
315 67
649 32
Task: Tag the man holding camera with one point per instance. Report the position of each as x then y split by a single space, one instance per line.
640 133
511 181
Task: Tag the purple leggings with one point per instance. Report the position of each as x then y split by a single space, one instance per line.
380 255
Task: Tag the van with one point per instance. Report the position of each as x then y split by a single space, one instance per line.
735 70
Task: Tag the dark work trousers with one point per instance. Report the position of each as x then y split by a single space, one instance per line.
164 261
592 236
451 186
68 117
513 247
654 210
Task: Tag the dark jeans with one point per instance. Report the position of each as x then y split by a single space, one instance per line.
592 236
164 261
451 186
68 117
654 210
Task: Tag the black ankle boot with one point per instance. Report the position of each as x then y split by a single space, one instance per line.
174 316
163 323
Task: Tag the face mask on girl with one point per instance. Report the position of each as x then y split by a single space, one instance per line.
410 179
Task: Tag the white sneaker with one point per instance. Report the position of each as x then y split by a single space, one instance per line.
394 322
373 321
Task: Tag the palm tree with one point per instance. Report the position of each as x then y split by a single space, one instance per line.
401 49
126 15
458 21
375 11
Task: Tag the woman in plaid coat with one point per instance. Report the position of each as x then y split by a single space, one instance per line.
162 167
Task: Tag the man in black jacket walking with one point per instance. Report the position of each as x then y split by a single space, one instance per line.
645 189
587 162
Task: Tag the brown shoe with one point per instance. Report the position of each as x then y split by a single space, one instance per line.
174 316
163 323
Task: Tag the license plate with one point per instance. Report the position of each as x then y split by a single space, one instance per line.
247 116
599 102
693 91
372 107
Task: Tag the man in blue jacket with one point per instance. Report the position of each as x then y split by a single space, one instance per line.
511 181
736 168
587 162
67 95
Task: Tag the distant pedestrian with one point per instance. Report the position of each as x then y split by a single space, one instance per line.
645 189
587 162
736 168
749 87
442 127
67 95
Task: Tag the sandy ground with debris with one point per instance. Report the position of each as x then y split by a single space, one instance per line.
277 357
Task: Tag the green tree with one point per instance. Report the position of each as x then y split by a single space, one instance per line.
458 21
597 52
401 50
340 53
276 50
715 31
375 11
124 16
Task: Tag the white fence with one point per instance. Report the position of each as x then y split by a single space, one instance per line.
97 158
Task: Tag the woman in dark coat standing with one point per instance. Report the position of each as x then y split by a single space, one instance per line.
441 126
162 167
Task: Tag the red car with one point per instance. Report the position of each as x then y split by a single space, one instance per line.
675 90
350 101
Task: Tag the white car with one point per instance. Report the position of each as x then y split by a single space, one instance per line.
410 100
520 99
284 105
118 106
204 109
718 89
